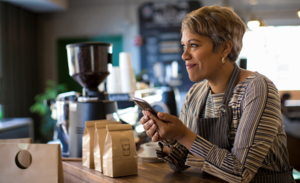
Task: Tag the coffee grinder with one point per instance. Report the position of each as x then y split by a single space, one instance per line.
88 66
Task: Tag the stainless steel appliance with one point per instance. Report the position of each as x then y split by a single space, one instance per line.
61 107
88 66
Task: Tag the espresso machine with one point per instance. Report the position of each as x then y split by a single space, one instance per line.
88 66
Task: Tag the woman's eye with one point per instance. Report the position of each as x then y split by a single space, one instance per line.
194 45
183 47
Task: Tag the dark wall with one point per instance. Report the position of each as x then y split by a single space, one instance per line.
18 61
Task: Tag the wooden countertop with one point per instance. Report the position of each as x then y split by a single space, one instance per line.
147 173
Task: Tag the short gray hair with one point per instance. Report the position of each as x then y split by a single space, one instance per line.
220 24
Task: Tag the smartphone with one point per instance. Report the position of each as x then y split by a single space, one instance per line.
145 105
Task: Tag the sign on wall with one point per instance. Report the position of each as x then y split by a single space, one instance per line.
160 25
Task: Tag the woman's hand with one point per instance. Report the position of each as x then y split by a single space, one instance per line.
150 127
165 126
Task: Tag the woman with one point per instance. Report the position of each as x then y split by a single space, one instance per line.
230 124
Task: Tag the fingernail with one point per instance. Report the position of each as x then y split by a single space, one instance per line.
153 126
160 114
151 122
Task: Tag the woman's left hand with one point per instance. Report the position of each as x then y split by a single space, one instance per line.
168 126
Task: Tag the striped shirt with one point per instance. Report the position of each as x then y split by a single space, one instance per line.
256 133
213 102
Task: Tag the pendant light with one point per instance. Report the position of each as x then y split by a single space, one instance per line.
253 23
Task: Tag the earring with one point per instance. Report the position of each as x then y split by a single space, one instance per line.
223 60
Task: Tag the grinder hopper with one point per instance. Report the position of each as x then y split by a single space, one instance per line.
88 63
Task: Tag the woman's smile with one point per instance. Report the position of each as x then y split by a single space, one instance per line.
190 66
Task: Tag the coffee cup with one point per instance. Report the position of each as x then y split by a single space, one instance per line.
150 148
113 80
127 77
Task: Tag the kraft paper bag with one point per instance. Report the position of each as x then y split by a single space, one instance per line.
45 164
119 154
88 144
100 135
24 157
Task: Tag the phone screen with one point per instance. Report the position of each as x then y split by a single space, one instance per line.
296 174
145 105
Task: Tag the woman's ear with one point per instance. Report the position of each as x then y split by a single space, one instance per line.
227 47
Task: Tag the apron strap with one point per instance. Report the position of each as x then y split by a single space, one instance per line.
232 81
224 108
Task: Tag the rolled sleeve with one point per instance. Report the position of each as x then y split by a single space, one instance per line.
176 159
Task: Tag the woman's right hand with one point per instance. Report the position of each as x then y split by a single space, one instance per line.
150 127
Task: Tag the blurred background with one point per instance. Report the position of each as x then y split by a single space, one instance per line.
34 35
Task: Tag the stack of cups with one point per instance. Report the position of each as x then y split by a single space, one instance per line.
127 78
113 80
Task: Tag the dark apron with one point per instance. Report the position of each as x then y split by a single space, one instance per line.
217 130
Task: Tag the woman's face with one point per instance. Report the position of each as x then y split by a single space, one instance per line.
201 62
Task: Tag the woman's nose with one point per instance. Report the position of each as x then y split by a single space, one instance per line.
186 55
